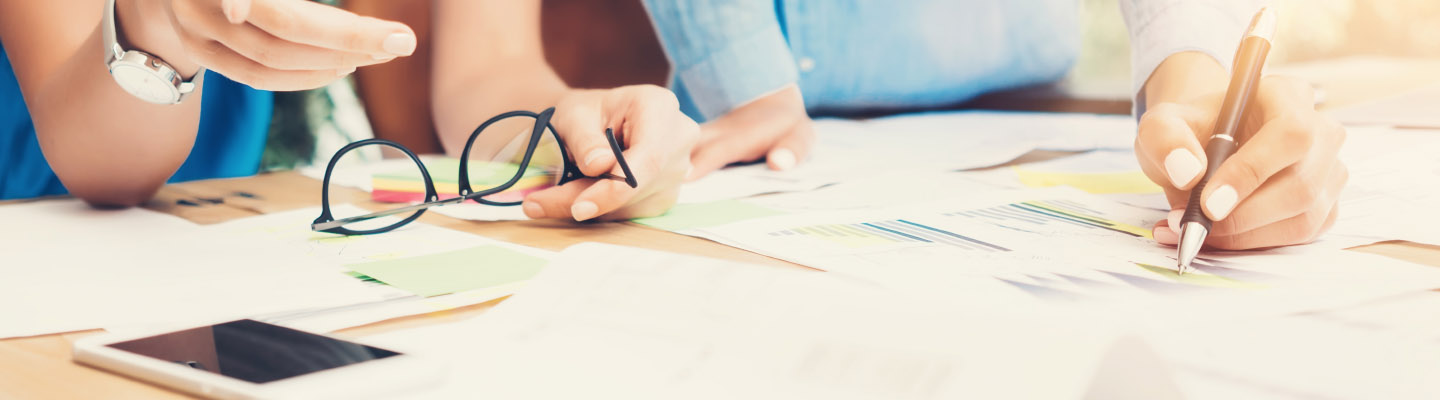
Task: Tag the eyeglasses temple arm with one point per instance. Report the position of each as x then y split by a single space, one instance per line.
323 226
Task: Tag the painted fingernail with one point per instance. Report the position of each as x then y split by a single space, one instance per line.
782 159
533 210
1221 202
1174 218
1165 235
583 210
400 44
595 156
1182 167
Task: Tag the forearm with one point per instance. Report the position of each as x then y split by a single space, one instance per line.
105 145
488 60
466 98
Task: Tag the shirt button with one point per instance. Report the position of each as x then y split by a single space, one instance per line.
806 64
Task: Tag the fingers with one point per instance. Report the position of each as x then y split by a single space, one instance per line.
1292 194
1277 145
650 206
276 53
1167 148
793 147
719 148
332 28
579 122
225 61
658 141
656 164
1300 229
554 202
236 11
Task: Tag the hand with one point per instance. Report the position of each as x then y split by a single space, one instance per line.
267 44
657 138
1280 187
775 127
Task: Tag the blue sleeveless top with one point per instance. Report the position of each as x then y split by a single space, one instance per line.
234 120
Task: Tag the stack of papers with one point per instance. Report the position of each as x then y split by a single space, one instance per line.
74 268
606 321
69 267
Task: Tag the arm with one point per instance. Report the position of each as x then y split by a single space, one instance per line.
489 60
1281 187
110 148
733 61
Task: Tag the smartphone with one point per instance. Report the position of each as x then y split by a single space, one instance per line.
248 359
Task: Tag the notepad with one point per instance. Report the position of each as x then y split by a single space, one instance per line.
404 184
454 271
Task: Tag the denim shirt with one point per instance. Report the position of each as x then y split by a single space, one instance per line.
864 54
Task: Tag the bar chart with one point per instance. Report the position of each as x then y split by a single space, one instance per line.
880 233
1050 216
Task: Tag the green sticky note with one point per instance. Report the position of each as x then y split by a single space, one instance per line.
690 216
455 271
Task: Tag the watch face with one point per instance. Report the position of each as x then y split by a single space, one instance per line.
144 83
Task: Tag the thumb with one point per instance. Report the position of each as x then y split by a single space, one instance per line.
236 10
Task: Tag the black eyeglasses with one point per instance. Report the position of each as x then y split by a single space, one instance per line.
569 172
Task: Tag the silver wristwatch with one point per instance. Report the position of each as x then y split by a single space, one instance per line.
142 75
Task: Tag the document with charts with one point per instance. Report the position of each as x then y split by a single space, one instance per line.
1061 247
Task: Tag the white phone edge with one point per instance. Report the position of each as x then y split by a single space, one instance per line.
370 379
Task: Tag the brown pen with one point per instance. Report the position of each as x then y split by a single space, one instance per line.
1245 76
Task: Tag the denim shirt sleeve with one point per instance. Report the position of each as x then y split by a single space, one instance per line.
1160 28
724 52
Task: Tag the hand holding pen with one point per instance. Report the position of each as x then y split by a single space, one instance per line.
1283 181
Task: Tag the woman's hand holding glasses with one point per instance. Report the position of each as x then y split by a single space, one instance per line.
657 139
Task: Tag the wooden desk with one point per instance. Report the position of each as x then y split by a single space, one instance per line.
40 367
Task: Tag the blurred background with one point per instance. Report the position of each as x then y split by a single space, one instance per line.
1309 31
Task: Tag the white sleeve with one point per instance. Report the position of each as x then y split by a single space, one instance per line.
1159 28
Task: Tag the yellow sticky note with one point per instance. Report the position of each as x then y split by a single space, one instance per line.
1127 182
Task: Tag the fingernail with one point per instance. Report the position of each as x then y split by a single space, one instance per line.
382 57
400 44
1165 235
344 71
1174 218
782 159
1221 201
595 156
533 210
1182 167
583 210
232 12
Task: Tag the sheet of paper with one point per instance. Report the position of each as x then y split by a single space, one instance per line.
454 271
1415 109
848 150
1062 248
612 321
68 267
1389 348
291 230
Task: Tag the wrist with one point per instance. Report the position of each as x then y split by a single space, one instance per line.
1183 78
146 26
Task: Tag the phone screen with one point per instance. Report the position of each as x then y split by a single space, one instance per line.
253 351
